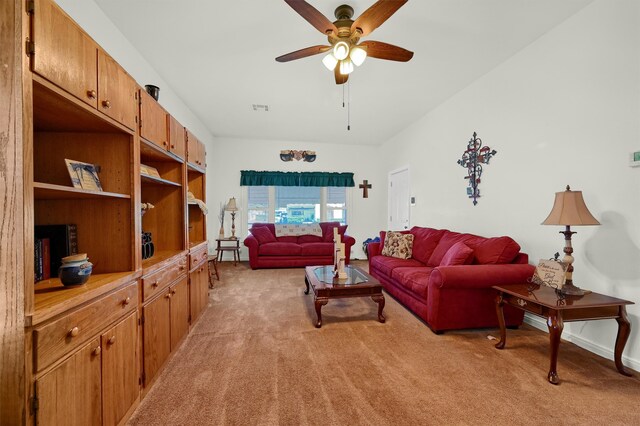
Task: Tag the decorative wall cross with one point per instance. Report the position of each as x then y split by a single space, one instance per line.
472 159
365 186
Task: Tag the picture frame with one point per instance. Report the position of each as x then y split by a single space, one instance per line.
83 175
551 273
149 171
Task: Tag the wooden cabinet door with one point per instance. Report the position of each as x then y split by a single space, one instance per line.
64 53
116 91
193 149
177 142
179 311
199 290
120 387
153 121
156 335
70 393
202 155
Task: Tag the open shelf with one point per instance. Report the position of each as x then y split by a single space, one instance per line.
49 191
151 152
52 297
159 257
193 168
157 181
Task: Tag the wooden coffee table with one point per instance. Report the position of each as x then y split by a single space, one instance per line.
357 284
543 302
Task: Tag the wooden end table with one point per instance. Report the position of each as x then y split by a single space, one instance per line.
228 244
357 284
544 302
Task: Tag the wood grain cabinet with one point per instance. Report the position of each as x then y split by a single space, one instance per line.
195 151
117 91
153 121
198 290
165 323
177 137
65 55
120 372
70 393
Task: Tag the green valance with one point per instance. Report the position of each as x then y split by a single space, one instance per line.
253 178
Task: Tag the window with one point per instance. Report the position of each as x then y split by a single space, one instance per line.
296 204
258 205
336 205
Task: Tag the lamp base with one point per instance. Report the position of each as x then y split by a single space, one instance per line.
571 290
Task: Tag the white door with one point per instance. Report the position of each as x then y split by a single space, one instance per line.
399 200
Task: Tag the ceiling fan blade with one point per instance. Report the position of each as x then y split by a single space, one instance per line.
380 50
340 78
302 53
311 14
375 16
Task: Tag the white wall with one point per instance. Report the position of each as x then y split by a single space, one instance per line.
233 155
564 110
91 18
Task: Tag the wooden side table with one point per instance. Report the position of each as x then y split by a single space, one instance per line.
228 244
543 302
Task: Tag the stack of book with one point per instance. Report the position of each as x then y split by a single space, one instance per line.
52 243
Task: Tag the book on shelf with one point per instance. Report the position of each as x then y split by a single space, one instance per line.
37 258
42 259
63 241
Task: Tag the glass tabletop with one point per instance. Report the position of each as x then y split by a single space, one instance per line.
325 274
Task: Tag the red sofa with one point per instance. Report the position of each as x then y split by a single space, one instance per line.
268 251
450 287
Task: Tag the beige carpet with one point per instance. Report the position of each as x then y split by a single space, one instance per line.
255 358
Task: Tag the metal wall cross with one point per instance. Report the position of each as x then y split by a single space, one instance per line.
472 159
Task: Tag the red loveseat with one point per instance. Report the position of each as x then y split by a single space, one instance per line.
268 251
447 281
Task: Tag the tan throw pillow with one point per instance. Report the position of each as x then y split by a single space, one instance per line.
398 245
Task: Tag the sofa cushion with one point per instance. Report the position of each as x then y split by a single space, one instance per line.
279 249
496 250
413 279
316 249
287 239
458 254
398 245
327 230
263 234
424 242
386 264
309 239
448 240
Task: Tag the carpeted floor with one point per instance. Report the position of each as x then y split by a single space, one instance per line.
255 358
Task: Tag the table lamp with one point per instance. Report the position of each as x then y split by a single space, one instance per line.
569 210
233 208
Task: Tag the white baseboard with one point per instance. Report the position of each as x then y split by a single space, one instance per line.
603 351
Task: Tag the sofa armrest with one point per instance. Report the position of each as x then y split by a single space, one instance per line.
480 276
252 244
373 249
348 243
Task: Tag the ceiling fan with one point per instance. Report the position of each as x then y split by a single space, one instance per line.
344 36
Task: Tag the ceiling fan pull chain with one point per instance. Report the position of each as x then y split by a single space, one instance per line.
348 105
343 96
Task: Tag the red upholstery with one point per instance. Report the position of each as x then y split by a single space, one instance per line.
458 296
292 251
458 254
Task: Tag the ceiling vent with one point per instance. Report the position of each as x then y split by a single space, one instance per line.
259 107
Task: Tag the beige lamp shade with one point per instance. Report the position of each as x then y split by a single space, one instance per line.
569 209
231 205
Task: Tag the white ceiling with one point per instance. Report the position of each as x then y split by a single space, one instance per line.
219 57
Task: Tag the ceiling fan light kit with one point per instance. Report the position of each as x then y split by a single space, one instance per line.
344 37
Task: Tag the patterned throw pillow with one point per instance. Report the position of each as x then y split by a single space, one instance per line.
398 245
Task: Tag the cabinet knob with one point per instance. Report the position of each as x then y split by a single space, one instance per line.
181 267
73 332
97 351
173 292
126 301
111 340
164 143
168 295
106 104
92 94
173 146
154 284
